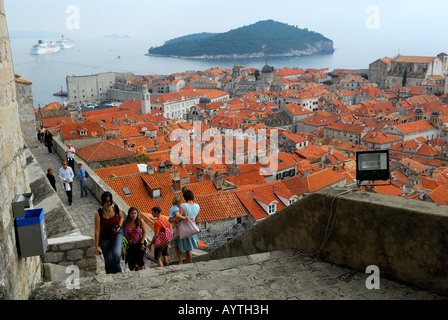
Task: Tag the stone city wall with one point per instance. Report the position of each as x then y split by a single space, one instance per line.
18 276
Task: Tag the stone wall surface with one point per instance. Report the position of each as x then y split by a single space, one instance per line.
406 239
18 276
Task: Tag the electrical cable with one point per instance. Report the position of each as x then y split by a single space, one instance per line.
328 230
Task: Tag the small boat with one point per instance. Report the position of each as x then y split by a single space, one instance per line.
61 93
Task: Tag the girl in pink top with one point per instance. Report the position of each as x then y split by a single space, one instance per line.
135 234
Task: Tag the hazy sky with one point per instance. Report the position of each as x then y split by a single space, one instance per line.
404 23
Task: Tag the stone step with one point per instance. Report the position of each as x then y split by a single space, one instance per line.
273 275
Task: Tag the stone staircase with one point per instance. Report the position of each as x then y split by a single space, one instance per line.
277 275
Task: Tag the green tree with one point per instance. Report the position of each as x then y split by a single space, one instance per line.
143 157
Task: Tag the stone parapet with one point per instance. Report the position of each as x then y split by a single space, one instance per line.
406 239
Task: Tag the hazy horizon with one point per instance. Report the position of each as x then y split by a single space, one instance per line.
413 27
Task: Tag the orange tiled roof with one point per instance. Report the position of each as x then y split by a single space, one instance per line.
440 195
102 151
266 193
414 59
414 126
54 121
219 206
118 171
322 179
389 190
73 130
380 137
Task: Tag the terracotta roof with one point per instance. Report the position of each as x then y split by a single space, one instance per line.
296 185
319 119
118 171
389 190
380 137
322 179
249 178
440 195
414 59
54 121
73 130
264 193
415 166
219 206
102 151
414 126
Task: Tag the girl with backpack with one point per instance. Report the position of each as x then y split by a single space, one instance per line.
135 234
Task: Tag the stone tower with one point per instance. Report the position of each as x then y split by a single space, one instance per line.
418 114
146 100
18 276
435 119
267 74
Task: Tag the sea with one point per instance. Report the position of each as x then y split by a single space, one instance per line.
48 72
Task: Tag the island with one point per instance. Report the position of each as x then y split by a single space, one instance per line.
264 38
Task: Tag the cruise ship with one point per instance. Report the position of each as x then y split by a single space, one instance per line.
42 47
65 43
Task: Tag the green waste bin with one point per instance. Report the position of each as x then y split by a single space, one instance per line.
31 233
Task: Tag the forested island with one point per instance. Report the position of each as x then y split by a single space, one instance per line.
264 38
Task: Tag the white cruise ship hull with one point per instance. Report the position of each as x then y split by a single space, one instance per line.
43 48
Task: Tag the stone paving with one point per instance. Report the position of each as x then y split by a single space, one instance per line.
282 275
279 275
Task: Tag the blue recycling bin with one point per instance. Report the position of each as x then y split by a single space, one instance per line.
31 233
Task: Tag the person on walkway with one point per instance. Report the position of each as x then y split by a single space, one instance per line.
187 245
160 254
51 178
70 154
66 174
41 134
48 140
175 213
109 233
135 234
82 180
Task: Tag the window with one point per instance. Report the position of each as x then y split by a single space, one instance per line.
83 132
291 201
272 208
156 193
126 191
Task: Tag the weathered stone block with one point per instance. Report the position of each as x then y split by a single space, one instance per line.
73 255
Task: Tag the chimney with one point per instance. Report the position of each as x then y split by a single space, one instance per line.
200 176
330 150
176 185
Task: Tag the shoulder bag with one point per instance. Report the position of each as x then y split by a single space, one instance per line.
164 236
187 227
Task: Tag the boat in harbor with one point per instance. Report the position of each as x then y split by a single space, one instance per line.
65 43
42 47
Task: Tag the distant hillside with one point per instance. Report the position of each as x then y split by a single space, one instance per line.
264 38
195 36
